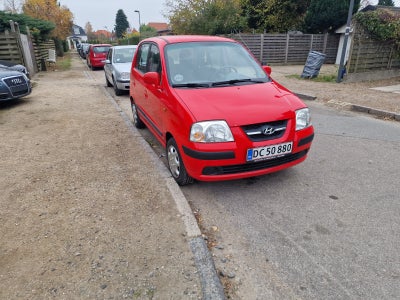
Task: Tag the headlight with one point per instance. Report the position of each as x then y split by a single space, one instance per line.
125 75
210 132
303 118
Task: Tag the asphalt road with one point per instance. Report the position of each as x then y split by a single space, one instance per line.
325 229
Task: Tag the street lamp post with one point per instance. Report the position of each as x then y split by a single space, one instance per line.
346 37
139 23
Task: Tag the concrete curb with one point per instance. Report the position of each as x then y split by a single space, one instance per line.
375 112
210 284
305 97
360 108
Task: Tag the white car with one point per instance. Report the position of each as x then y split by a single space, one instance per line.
117 67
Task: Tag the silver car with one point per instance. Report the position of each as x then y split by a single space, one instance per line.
117 67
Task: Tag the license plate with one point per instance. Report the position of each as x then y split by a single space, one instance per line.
269 151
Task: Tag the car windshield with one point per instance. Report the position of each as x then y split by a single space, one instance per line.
123 55
101 49
208 64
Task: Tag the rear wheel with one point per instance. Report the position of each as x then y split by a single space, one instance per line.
175 164
136 119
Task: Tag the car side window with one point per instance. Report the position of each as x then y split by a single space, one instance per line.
141 62
109 56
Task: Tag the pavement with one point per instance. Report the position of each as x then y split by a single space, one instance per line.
378 98
389 89
211 287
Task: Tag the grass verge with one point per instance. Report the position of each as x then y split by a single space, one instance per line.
64 63
320 78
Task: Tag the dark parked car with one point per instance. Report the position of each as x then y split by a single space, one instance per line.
13 84
9 65
83 50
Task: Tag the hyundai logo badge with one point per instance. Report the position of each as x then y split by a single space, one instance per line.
268 130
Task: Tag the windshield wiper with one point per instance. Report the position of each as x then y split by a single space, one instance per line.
191 85
233 81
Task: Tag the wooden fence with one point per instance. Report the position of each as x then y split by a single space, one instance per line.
11 49
289 48
368 55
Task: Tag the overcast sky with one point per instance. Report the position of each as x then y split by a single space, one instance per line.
102 13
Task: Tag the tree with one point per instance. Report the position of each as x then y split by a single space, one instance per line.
49 10
38 28
121 23
205 16
147 31
327 15
275 15
13 6
386 2
89 31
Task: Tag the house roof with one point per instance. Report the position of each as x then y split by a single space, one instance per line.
159 26
78 31
382 7
103 32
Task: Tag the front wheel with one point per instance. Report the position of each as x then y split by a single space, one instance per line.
175 164
117 91
108 82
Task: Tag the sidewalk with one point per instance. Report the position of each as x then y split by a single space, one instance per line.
378 98
88 212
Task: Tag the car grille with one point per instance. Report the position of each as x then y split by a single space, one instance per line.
265 131
254 166
17 85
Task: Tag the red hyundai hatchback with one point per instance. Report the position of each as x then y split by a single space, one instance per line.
97 54
215 109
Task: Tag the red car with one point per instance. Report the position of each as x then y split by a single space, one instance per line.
97 54
215 109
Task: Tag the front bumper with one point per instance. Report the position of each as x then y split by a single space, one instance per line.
123 84
214 164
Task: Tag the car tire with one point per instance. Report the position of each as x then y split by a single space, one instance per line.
117 91
176 165
108 82
136 119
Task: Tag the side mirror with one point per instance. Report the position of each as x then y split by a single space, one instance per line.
107 61
152 78
267 70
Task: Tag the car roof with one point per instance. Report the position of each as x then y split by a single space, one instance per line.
172 39
124 46
101 45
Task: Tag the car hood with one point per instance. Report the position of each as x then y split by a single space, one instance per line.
122 67
5 72
240 105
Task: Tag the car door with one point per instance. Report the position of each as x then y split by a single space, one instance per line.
137 86
108 66
155 93
148 97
